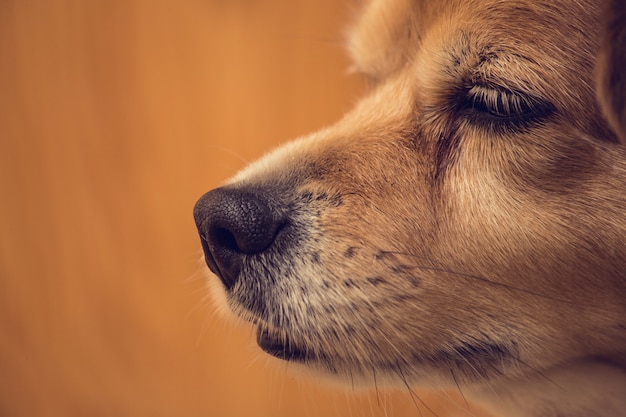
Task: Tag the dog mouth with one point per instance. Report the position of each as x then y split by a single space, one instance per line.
281 346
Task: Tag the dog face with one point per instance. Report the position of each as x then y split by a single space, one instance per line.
464 222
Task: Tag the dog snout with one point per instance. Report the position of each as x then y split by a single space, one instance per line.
235 223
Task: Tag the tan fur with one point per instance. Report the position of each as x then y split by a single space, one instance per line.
431 243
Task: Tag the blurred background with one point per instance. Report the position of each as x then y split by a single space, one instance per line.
115 116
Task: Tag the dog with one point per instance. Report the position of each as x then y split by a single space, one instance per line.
463 226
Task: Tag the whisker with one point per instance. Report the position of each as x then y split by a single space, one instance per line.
449 400
376 385
414 396
458 387
479 278
352 380
534 370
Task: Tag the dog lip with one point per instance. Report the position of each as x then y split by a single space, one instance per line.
280 346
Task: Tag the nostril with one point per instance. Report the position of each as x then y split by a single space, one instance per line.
234 223
225 239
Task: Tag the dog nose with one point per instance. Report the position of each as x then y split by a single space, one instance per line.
233 223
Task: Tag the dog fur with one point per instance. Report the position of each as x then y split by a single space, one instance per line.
464 225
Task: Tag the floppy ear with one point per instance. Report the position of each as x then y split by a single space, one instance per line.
612 67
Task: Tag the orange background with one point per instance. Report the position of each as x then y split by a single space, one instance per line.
115 116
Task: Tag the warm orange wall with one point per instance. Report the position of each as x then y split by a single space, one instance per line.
114 117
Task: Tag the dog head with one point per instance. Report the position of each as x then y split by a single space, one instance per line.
466 220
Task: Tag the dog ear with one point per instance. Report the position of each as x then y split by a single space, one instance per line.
611 69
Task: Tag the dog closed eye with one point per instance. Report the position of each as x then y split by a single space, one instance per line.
508 106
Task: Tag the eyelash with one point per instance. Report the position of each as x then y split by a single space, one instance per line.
503 107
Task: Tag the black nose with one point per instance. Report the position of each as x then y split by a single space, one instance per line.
234 223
